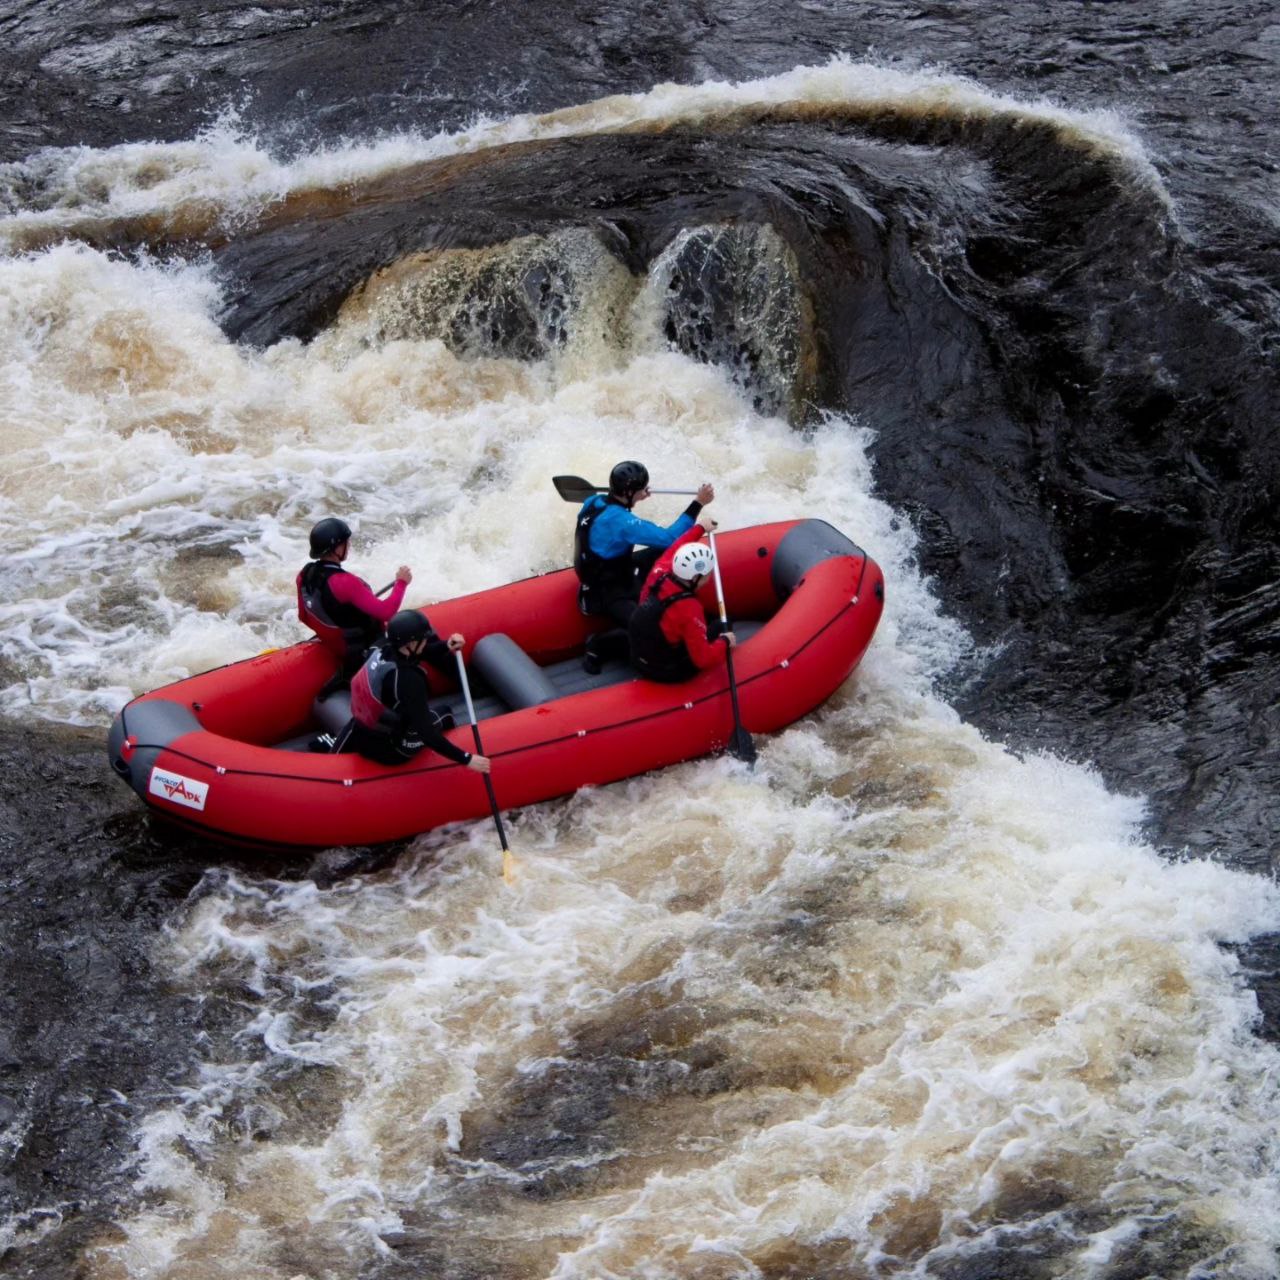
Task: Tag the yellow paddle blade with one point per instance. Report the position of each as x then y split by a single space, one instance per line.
510 866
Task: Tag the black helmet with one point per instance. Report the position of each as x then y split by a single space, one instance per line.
628 478
407 626
329 533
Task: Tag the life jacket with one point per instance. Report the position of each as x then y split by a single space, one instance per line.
368 688
653 655
598 576
341 627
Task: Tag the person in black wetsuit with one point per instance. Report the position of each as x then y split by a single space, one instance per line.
391 718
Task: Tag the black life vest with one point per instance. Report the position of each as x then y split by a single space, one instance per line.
369 691
653 655
599 576
342 627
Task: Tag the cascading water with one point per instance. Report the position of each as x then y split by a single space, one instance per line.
901 1001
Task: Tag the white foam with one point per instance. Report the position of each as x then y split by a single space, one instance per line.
226 175
1007 988
155 519
935 977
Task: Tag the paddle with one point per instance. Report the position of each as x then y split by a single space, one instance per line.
740 744
509 864
576 489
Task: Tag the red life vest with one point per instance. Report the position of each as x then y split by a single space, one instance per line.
342 628
367 685
652 654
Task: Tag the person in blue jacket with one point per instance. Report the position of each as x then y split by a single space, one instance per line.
610 570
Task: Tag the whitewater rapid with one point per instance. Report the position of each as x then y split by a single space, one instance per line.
896 996
225 178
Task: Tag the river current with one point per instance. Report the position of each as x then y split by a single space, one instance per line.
973 974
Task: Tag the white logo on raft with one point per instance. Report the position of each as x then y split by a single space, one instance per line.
173 786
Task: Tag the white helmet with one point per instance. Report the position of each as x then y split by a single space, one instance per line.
692 561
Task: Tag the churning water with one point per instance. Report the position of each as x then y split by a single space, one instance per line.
901 1001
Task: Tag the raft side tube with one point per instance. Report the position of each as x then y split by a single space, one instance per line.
809 543
141 731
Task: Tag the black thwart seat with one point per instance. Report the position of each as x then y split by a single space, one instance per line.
333 713
511 673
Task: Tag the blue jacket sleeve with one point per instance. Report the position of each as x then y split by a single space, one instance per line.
645 533
616 531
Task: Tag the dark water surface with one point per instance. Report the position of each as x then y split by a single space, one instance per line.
1069 363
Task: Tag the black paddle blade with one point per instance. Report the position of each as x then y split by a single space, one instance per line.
742 746
575 488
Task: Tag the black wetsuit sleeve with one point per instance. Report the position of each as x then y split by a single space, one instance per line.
693 509
437 653
417 716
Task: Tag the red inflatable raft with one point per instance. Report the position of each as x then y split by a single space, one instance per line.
225 752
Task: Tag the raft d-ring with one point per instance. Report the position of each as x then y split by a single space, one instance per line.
785 663
582 733
854 600
346 782
218 768
688 706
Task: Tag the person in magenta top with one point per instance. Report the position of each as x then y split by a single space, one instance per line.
670 638
340 607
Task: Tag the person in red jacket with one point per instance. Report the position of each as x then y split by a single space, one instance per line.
339 607
670 641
